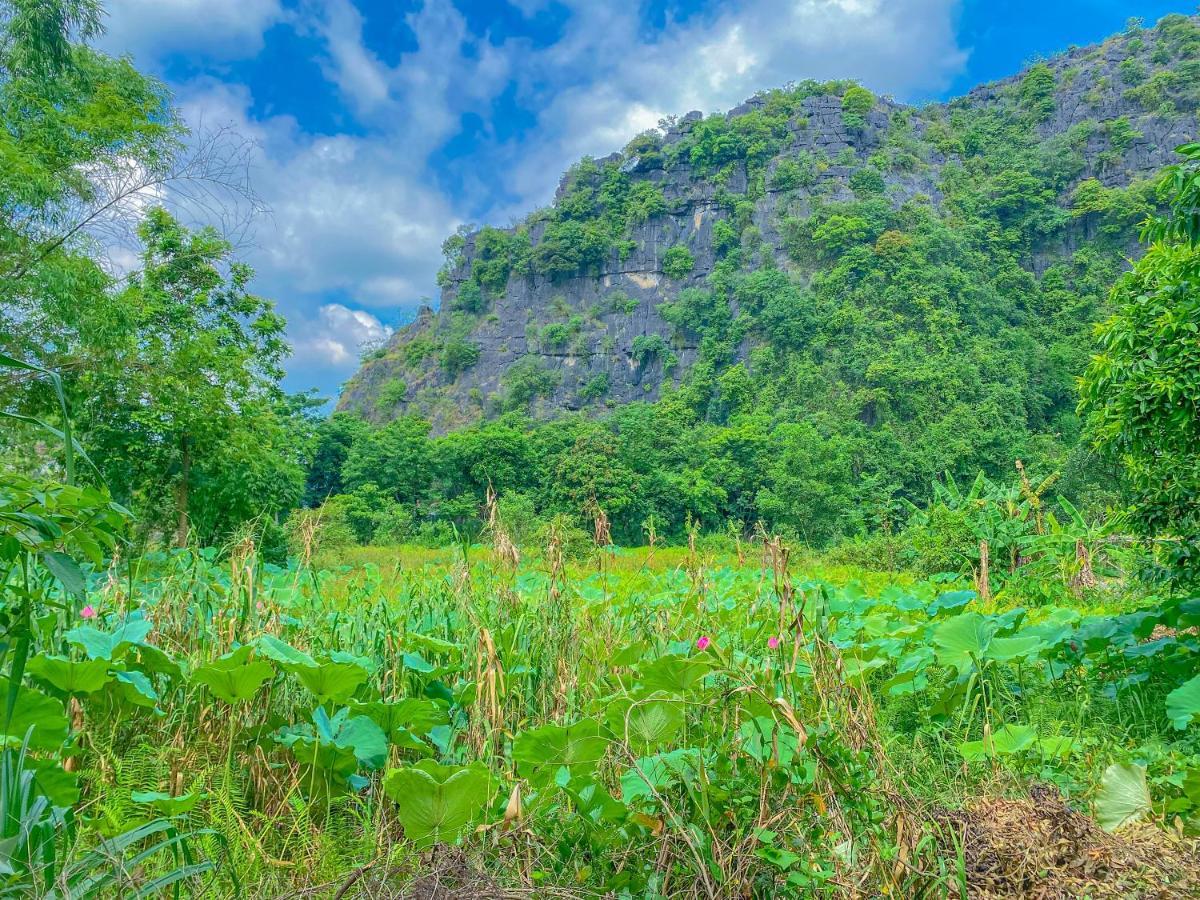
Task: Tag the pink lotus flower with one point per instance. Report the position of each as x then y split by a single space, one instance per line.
773 642
88 612
703 643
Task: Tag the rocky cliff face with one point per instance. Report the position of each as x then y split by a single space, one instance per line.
549 335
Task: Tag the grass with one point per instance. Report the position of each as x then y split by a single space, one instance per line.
730 768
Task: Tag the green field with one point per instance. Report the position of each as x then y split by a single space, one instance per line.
641 722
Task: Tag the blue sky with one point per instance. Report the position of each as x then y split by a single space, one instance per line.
379 126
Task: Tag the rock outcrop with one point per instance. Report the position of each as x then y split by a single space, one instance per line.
612 344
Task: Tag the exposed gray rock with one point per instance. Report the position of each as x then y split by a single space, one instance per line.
619 304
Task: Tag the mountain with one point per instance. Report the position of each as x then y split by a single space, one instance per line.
918 281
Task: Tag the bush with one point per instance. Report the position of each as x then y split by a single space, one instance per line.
647 347
327 523
469 298
856 103
866 182
596 387
678 262
526 380
458 356
393 393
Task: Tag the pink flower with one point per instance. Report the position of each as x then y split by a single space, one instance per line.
773 642
703 643
88 612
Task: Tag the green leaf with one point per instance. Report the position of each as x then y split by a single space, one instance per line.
1017 646
66 570
109 645
646 724
283 653
34 709
1183 703
958 639
1004 742
1124 796
436 804
234 677
540 752
59 786
164 803
403 720
331 682
675 674
70 676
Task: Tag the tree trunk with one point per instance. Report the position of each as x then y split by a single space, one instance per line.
183 524
983 579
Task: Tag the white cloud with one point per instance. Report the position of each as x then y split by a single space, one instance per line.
711 63
335 338
226 29
360 217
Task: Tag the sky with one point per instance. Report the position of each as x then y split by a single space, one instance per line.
374 128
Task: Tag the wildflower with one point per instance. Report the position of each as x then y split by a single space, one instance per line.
773 642
88 612
703 643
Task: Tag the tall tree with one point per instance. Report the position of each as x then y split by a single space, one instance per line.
1141 392
196 399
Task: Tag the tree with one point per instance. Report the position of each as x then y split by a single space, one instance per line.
395 457
332 442
196 397
1141 392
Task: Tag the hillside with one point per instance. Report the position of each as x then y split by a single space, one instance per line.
611 294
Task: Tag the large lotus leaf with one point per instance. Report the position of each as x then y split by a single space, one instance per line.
59 786
35 710
340 656
110 645
956 641
234 677
153 661
540 752
646 724
951 600
283 653
331 682
1003 742
70 676
164 803
437 804
135 688
404 720
653 774
1183 703
766 740
594 803
1019 646
1124 796
358 734
675 674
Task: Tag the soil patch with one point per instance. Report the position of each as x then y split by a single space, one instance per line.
1040 848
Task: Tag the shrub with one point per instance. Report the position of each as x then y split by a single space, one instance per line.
678 262
458 356
646 347
1036 93
469 298
866 182
554 336
856 103
393 393
596 387
526 380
